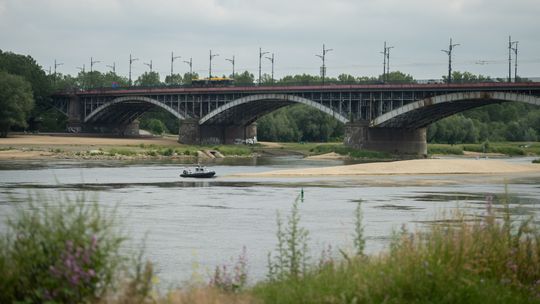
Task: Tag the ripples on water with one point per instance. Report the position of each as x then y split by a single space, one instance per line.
208 222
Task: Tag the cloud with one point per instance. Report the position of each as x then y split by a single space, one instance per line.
110 30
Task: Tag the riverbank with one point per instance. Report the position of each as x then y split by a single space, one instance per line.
65 146
408 167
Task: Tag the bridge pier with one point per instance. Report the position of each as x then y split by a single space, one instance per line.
74 123
393 140
191 132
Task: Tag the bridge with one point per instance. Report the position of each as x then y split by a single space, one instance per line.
383 117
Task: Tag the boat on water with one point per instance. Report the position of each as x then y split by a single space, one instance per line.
198 172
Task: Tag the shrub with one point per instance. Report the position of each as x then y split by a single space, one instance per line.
124 152
536 161
66 253
231 279
166 152
291 257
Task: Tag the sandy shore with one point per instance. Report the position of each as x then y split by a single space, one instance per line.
405 167
47 140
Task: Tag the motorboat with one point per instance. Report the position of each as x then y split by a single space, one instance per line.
198 172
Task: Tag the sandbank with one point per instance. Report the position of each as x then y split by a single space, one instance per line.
405 167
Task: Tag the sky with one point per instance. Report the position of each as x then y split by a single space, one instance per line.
74 31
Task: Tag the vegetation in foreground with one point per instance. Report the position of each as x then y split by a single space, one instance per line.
70 254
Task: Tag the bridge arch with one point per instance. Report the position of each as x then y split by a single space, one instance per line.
423 112
124 99
270 97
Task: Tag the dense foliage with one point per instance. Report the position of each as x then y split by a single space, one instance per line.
16 102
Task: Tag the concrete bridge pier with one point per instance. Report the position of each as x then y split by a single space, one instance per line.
393 140
191 132
74 123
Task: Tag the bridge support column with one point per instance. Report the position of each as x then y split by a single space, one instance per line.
392 140
74 123
189 132
131 129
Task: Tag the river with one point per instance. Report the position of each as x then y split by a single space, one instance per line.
190 226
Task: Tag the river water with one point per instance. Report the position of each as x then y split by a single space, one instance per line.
191 226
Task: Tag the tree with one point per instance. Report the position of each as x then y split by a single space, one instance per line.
41 84
398 77
155 126
245 78
148 79
15 101
189 76
174 79
466 77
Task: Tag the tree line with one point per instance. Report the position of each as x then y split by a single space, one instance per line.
25 104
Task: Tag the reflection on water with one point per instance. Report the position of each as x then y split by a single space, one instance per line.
209 221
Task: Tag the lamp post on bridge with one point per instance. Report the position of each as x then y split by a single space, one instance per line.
131 60
190 63
149 65
515 49
323 56
113 67
272 60
386 61
92 62
510 48
172 62
210 67
449 52
231 60
56 64
261 54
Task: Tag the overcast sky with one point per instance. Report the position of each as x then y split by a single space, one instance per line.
72 31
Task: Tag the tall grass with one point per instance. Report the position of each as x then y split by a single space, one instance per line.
492 260
68 252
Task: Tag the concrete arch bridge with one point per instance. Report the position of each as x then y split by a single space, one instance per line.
379 117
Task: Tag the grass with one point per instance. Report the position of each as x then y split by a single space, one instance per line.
491 260
506 148
236 150
444 149
122 152
536 161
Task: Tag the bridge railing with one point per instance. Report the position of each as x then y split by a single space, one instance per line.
282 83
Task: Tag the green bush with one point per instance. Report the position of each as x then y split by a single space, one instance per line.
166 152
124 152
155 126
66 253
536 161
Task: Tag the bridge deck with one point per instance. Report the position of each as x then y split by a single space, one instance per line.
488 86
